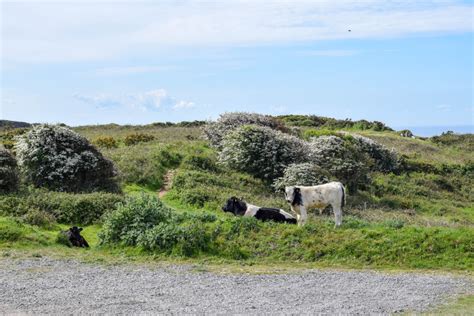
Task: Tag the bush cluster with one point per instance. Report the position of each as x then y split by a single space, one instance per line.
331 123
265 152
106 142
144 221
135 138
227 122
8 172
261 151
58 158
66 208
341 159
384 160
302 174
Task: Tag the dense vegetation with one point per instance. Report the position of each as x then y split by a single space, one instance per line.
58 158
413 208
8 172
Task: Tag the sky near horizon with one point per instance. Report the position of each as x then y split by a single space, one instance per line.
406 63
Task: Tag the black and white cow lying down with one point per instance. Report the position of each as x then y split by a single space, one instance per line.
240 208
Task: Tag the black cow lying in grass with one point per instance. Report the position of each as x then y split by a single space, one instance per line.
73 235
239 208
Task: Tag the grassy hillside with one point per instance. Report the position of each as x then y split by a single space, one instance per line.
423 218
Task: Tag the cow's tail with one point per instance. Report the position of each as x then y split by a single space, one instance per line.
343 198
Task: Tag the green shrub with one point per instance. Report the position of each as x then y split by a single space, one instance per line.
161 237
39 218
132 219
63 239
261 151
59 159
200 162
144 221
67 208
105 142
10 233
135 138
8 172
197 196
244 226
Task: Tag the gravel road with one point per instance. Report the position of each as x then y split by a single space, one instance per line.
47 286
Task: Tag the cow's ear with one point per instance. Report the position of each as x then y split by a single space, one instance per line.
80 229
71 229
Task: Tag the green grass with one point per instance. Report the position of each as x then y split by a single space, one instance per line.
420 220
357 244
162 134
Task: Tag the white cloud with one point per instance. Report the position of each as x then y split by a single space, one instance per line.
152 100
183 105
37 32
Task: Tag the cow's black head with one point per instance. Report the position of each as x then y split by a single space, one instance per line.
75 231
293 195
235 206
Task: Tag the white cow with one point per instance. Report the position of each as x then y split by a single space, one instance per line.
318 196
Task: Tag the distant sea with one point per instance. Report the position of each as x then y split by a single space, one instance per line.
428 131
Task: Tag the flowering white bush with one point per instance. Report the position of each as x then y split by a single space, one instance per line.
58 158
215 131
8 171
384 160
261 151
341 159
302 174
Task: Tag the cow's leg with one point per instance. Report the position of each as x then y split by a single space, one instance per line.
296 210
304 216
338 216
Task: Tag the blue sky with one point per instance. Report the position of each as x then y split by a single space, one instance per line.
406 63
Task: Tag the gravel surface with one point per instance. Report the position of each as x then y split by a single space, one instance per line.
47 286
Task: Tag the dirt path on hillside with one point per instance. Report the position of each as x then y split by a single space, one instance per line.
47 286
167 183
